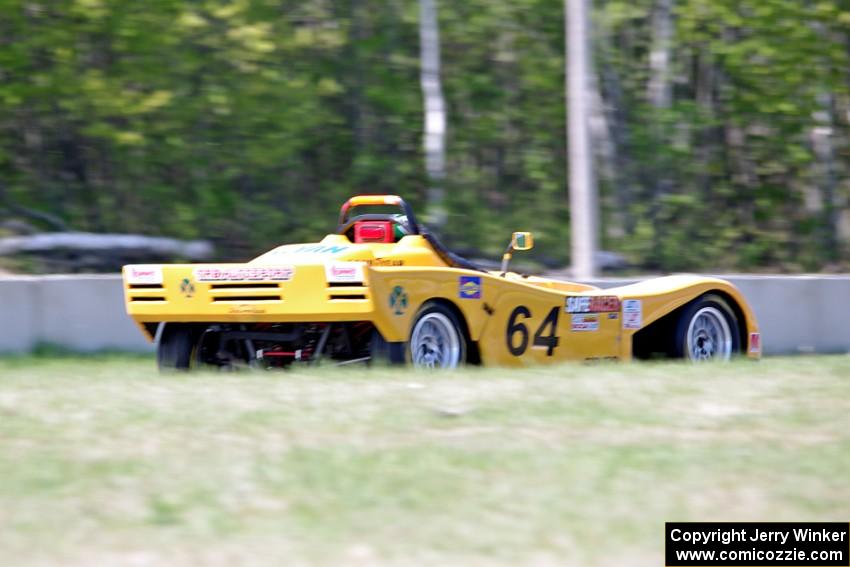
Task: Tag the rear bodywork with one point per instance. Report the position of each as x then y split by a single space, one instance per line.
509 320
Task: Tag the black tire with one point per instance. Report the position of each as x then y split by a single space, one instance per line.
446 351
715 312
176 348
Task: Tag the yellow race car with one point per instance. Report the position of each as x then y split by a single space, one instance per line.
383 288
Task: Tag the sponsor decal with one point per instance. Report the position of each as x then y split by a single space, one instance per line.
585 322
592 304
144 275
282 253
469 287
319 249
344 272
253 274
632 314
755 342
385 262
398 300
187 289
246 310
613 315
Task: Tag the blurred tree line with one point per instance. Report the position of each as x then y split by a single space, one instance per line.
721 126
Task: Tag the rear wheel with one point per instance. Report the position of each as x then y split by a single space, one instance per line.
177 346
437 339
707 330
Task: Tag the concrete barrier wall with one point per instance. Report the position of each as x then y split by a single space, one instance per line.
801 314
797 314
81 313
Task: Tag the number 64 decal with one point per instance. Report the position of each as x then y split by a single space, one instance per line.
517 347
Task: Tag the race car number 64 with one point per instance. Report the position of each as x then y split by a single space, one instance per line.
550 340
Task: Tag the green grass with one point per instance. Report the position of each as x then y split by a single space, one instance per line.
104 462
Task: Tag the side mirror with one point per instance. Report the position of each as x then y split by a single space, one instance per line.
522 241
519 241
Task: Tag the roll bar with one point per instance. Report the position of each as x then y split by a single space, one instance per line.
377 200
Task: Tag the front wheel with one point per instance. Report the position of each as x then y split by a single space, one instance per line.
707 330
437 339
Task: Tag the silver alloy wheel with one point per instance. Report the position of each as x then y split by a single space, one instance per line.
709 336
435 342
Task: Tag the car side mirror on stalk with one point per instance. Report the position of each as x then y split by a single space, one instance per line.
519 241
522 241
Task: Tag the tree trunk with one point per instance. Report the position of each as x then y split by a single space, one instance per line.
659 89
660 97
822 144
435 110
620 169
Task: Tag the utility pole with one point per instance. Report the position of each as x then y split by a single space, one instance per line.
584 203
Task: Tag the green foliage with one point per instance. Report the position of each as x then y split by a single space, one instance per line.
249 122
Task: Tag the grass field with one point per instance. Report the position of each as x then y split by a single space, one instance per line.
104 462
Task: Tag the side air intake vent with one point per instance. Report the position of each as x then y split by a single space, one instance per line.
245 298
